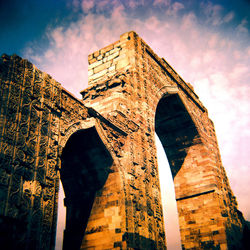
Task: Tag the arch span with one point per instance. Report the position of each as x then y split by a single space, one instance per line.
175 129
193 168
85 166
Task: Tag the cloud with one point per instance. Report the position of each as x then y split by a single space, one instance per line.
152 23
238 71
75 4
174 9
133 4
87 5
161 2
214 13
216 64
229 17
242 27
189 21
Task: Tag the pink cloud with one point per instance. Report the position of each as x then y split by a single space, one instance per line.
213 41
152 23
229 17
242 26
189 21
174 9
87 5
239 70
161 2
135 3
248 51
213 12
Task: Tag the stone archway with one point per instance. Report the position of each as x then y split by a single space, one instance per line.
85 166
141 83
194 183
176 130
132 92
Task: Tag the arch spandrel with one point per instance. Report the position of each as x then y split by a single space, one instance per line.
72 127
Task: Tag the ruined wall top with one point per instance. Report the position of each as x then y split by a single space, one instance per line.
120 56
127 55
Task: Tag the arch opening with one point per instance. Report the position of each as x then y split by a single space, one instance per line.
175 129
176 133
170 214
61 216
85 166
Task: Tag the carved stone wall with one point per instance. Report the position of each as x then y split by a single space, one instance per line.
104 148
130 84
35 112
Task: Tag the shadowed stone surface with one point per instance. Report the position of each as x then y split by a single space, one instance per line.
103 149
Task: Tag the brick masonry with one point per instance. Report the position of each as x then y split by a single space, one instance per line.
103 149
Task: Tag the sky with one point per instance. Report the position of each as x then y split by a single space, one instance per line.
206 42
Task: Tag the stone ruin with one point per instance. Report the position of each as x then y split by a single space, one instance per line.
103 150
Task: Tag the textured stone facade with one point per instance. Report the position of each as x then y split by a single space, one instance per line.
33 109
104 148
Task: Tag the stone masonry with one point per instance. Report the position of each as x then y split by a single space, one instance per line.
103 149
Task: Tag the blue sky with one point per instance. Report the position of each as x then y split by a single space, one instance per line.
25 23
207 42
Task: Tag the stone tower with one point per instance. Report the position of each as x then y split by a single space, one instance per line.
103 149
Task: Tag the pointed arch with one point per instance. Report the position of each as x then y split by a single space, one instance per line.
176 130
85 166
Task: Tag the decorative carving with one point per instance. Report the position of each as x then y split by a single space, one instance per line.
4 177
